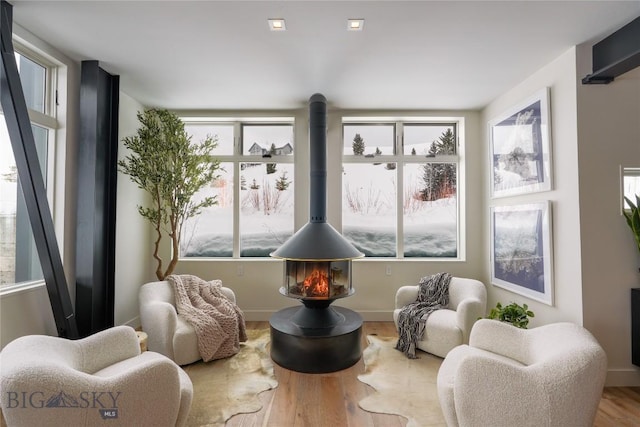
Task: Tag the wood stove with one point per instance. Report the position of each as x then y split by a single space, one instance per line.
316 337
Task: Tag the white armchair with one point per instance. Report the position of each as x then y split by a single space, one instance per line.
448 328
547 376
95 381
168 333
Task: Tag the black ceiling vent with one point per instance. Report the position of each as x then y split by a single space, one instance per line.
616 54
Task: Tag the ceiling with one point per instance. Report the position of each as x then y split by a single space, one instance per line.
410 55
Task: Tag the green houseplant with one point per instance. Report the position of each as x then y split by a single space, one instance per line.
513 313
166 164
633 218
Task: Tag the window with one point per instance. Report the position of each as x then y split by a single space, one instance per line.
254 210
19 263
630 181
400 188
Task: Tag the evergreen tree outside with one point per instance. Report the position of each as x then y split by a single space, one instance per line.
282 183
378 152
358 145
271 167
254 185
243 182
440 178
413 151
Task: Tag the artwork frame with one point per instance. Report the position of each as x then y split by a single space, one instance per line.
521 250
520 148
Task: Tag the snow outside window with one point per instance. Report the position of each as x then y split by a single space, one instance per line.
399 189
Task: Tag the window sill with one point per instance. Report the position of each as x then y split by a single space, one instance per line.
21 287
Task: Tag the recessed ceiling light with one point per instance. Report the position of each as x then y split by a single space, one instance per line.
355 24
277 24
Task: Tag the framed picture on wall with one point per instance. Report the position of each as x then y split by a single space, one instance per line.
520 148
521 250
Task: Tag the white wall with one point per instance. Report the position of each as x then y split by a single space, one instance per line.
608 137
133 233
559 76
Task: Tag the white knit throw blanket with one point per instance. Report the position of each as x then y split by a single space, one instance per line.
433 294
218 322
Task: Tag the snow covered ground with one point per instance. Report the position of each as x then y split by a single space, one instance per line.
430 228
262 231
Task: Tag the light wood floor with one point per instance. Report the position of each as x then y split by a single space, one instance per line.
331 400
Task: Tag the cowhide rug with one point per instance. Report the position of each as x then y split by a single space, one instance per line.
226 387
405 387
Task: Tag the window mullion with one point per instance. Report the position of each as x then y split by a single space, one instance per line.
237 158
400 191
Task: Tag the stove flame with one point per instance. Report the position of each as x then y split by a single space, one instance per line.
316 284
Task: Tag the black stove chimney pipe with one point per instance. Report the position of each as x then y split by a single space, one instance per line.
317 240
318 158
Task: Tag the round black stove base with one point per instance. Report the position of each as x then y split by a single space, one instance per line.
302 346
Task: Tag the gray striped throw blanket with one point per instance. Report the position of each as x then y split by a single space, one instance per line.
433 294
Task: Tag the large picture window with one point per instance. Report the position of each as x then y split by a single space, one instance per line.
19 263
400 188
254 210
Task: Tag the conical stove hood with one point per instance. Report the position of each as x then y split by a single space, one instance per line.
317 240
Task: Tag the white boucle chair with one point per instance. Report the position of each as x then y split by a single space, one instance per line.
95 381
168 333
547 376
448 328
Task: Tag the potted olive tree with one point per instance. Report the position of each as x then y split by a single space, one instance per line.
165 163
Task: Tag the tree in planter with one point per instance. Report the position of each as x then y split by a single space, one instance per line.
167 165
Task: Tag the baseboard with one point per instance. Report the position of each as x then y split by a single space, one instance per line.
376 315
134 323
623 378
257 315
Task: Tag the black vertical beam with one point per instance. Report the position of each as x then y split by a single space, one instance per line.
35 195
96 211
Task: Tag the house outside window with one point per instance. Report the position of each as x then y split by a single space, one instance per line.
19 262
254 210
400 187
